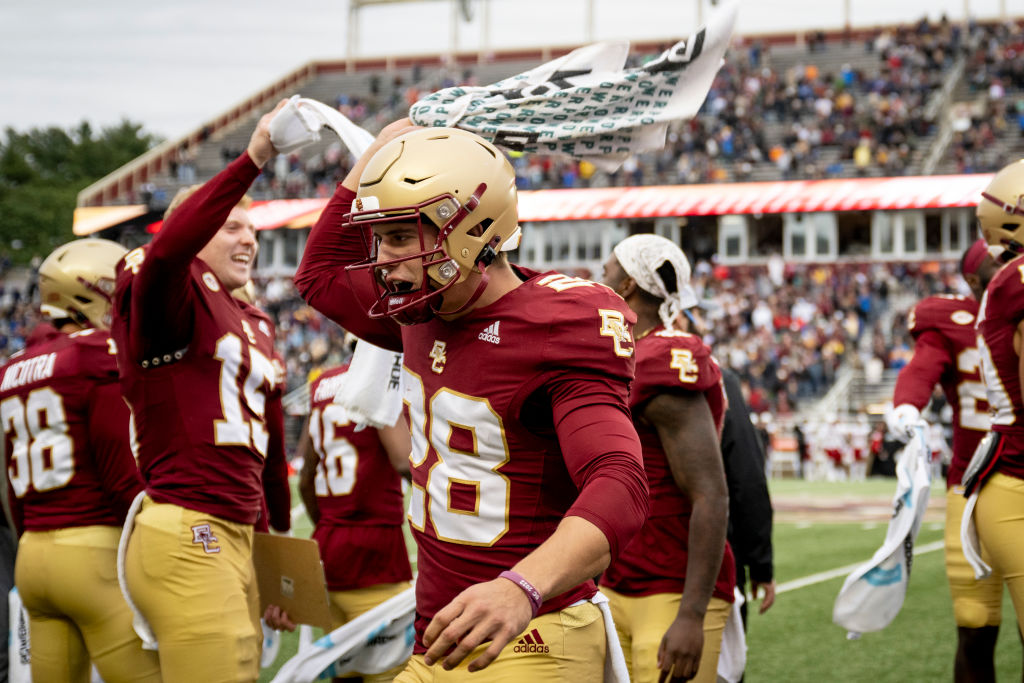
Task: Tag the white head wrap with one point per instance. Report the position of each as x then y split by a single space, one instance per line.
641 256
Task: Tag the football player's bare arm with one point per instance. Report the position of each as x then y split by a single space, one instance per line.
499 610
307 476
161 314
688 436
397 442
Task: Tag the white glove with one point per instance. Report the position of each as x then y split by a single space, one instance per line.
901 421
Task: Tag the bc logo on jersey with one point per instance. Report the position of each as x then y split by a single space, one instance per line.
437 355
613 324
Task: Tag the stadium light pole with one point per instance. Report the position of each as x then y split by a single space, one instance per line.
353 36
590 21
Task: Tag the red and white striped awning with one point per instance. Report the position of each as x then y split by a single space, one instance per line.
796 196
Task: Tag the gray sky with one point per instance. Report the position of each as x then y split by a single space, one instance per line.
174 64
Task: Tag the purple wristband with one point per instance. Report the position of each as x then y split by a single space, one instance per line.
532 593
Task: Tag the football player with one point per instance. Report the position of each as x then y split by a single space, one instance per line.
527 477
999 514
72 474
351 488
672 587
196 368
276 509
946 353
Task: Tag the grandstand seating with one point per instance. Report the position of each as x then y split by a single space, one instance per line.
327 81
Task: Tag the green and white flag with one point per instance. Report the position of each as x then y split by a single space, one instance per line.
587 104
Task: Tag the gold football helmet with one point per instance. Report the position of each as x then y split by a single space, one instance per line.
451 180
76 281
1000 212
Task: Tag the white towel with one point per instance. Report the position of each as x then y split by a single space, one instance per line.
19 646
371 390
139 622
299 123
373 642
969 539
587 104
732 659
873 594
615 670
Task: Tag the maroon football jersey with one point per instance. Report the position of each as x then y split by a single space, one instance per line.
946 353
655 561
66 432
487 490
199 411
1002 309
277 492
355 482
497 400
356 488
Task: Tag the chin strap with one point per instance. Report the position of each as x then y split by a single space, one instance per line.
484 279
486 258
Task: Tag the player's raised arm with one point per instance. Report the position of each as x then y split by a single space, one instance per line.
161 301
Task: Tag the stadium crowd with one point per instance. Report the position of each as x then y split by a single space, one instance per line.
804 122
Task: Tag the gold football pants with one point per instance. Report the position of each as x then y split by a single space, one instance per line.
560 646
641 623
347 605
976 603
67 579
999 517
191 575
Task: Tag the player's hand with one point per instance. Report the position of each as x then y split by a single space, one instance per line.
901 421
679 652
497 611
278 619
260 148
768 599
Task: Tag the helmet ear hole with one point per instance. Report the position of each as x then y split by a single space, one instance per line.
480 228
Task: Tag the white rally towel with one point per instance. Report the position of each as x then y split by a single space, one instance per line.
19 647
299 123
615 670
732 659
969 540
873 594
371 390
139 623
587 104
373 642
382 639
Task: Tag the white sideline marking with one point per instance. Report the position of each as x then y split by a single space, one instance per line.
843 571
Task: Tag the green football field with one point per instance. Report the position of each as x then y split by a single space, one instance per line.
822 527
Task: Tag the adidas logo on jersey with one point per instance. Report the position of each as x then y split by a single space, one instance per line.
490 333
531 642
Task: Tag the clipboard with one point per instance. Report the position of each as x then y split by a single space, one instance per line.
290 575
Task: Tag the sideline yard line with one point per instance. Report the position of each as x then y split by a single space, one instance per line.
843 571
298 511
